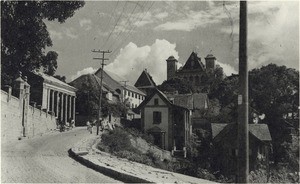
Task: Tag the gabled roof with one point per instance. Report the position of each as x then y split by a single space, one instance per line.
115 81
93 81
260 131
193 63
145 81
162 96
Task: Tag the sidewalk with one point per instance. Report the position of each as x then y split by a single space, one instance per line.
123 169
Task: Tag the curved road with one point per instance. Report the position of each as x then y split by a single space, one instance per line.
44 159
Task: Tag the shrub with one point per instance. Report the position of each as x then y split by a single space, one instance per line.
117 140
135 157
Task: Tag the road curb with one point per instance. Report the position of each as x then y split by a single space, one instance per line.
127 178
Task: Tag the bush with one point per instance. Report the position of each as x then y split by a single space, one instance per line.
135 157
117 140
135 132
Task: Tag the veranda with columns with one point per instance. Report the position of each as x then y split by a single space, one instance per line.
60 101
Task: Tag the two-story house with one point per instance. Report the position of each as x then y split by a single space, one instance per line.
169 124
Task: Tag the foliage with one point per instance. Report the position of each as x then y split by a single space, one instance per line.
136 133
176 84
59 77
279 174
274 91
49 63
24 35
117 140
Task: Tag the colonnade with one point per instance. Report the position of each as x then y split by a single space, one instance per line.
60 104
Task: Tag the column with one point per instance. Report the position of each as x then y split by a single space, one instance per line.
48 100
57 104
52 103
66 108
70 107
73 99
62 107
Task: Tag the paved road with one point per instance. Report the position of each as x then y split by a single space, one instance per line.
45 159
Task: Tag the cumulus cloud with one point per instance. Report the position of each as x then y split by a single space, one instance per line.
227 69
83 72
86 24
132 60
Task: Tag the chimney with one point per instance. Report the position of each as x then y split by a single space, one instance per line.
171 67
210 62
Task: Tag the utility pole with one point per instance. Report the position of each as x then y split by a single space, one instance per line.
243 132
103 59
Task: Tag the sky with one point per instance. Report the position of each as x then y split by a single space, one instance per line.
143 34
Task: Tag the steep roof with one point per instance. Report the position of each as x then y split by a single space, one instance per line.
260 131
193 63
145 81
93 81
114 81
162 96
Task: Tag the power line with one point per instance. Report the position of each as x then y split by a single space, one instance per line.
115 24
132 29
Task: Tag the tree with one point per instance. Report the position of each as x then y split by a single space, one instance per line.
176 84
24 34
49 63
274 91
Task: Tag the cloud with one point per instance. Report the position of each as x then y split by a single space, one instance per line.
69 32
83 72
194 19
227 69
161 15
132 60
86 24
55 35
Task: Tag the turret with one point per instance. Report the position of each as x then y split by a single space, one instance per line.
210 62
171 67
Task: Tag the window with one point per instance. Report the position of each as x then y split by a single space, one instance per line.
136 95
156 117
128 93
132 94
139 97
156 101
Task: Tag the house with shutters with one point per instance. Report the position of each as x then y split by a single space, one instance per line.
168 123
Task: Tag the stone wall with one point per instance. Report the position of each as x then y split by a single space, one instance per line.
35 121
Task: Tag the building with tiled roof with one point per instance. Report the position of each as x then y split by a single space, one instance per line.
225 141
193 71
128 92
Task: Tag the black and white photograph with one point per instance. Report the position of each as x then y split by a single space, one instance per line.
170 91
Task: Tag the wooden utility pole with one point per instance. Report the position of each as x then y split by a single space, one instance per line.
243 132
103 59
